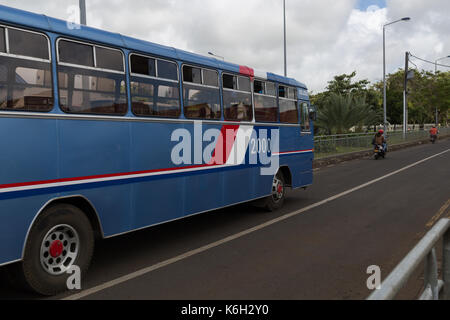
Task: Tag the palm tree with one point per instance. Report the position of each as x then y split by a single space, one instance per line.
340 113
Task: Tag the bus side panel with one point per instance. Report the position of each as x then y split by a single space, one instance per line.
159 199
31 156
92 148
300 165
203 191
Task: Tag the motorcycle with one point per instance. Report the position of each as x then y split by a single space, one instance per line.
379 152
433 139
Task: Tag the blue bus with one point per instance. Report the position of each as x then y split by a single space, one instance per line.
103 134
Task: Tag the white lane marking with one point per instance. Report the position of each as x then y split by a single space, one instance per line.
186 255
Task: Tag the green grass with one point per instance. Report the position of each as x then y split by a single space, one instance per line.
339 151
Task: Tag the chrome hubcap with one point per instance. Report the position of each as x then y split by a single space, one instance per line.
59 249
277 189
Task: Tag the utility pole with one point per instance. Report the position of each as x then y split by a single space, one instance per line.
83 12
405 97
285 53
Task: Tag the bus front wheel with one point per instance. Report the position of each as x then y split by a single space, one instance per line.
276 200
60 241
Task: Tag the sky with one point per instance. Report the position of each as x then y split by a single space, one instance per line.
325 38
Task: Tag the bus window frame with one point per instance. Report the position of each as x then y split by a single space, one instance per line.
143 76
7 54
93 45
267 96
76 66
203 86
240 91
288 99
156 67
10 55
302 127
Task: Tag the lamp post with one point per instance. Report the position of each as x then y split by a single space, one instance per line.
215 55
384 69
435 73
83 12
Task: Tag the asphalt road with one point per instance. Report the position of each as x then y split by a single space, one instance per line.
320 253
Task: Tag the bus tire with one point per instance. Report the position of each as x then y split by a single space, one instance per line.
61 238
276 200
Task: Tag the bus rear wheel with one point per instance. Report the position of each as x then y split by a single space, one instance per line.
60 239
276 200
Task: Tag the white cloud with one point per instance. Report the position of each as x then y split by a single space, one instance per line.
325 37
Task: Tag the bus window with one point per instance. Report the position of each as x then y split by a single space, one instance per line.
98 89
91 93
154 87
229 82
237 103
109 59
305 117
167 70
155 98
25 84
282 92
76 53
210 78
244 84
265 104
271 89
191 74
201 101
287 106
259 87
142 65
2 40
28 44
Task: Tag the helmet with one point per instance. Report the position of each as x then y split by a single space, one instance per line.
381 131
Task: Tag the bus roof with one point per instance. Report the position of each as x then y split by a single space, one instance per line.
42 22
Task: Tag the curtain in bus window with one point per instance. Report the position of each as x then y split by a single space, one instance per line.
266 109
305 117
288 111
201 102
92 92
153 98
237 106
25 85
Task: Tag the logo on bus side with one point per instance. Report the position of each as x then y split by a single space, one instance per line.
232 146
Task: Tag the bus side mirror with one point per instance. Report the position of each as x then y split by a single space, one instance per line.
313 113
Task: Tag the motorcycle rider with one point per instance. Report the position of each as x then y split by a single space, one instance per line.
434 133
379 140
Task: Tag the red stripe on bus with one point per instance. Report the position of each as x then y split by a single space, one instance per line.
247 71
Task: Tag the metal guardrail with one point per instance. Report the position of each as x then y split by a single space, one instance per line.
346 143
425 250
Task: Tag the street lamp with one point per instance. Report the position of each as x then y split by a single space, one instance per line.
384 68
435 72
215 55
83 12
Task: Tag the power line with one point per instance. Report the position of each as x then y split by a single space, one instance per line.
415 65
427 61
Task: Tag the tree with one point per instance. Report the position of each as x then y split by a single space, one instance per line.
341 112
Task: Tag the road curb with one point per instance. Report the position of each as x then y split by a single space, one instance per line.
334 160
